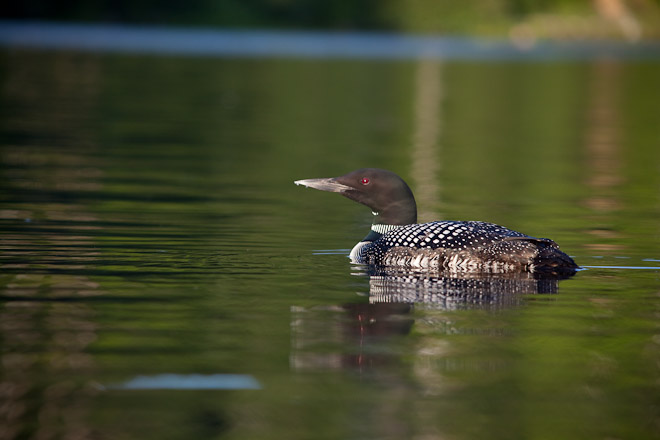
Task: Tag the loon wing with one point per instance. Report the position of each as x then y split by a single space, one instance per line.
540 254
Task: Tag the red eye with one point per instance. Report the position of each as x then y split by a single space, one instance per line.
365 181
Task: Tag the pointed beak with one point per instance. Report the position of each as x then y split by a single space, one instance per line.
327 184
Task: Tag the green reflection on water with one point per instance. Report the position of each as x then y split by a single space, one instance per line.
150 225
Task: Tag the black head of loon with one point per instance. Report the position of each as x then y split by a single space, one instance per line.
386 194
397 240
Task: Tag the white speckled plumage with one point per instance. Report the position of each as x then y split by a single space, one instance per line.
452 245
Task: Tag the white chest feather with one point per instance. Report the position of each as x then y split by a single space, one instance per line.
356 252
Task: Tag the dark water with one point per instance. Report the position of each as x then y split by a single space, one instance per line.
152 238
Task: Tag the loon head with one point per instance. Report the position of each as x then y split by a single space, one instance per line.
386 194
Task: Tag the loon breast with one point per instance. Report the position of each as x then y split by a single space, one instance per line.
458 246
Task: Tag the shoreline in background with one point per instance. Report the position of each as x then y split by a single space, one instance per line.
123 38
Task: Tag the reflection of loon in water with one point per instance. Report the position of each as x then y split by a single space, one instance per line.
451 290
356 335
353 335
396 239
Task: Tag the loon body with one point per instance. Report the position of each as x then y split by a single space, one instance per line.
396 239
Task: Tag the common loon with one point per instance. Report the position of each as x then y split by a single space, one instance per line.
396 239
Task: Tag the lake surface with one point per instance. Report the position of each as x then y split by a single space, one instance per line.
162 277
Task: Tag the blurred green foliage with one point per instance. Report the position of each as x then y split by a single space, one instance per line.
543 18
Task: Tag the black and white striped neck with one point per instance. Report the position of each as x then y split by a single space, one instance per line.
383 229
